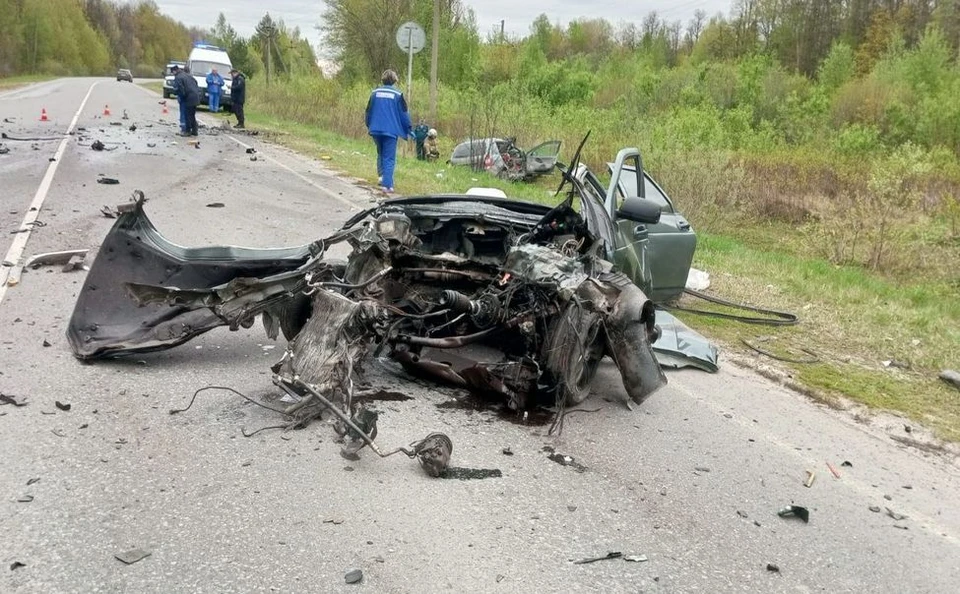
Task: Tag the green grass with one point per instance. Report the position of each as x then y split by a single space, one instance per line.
851 318
12 82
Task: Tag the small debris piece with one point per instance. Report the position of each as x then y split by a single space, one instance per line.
63 406
564 460
334 521
33 481
847 463
10 399
833 470
908 486
74 263
97 145
254 158
610 555
25 499
132 556
901 527
251 150
951 377
811 476
353 576
701 469
133 127
635 558
795 511
108 180
888 498
17 565
742 514
151 145
507 452
500 577
908 428
571 508
874 508
46 343
773 567
216 205
895 515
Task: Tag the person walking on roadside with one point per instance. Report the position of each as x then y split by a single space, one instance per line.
176 91
185 85
214 85
420 136
238 94
387 120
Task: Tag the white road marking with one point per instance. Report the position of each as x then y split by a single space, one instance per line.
15 253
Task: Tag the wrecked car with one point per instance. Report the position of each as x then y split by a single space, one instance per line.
503 158
549 290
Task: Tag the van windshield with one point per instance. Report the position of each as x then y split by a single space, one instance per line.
201 68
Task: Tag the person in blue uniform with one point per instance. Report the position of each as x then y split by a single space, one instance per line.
387 120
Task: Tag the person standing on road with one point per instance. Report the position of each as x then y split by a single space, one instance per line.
238 94
186 87
214 85
420 136
176 91
387 120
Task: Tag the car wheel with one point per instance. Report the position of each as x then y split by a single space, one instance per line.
573 350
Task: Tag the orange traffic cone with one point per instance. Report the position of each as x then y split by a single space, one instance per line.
106 110
43 115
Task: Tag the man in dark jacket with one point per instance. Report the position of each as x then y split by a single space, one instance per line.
188 91
238 94
387 120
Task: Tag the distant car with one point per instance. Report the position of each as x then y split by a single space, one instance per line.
168 78
124 74
503 158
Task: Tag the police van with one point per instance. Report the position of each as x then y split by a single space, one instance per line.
204 58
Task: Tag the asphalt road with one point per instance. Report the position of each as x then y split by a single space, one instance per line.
692 480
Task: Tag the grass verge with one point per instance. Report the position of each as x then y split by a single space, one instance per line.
878 342
12 82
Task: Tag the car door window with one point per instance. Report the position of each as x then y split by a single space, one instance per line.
628 186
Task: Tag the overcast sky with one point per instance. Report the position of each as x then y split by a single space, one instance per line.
244 14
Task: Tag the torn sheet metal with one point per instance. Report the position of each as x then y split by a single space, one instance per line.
680 346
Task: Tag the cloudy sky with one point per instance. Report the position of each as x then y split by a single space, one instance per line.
244 14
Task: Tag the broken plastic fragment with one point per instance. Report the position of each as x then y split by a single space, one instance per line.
353 576
635 558
63 406
773 567
610 555
132 556
795 511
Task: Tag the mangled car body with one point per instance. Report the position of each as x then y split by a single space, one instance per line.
552 290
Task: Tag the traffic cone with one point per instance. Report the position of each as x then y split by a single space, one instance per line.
106 110
43 115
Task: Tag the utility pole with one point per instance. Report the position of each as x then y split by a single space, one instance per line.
269 58
434 50
502 23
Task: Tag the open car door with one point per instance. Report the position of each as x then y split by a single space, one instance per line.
543 157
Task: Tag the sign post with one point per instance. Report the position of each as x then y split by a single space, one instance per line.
411 38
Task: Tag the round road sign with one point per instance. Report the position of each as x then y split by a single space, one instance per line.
410 35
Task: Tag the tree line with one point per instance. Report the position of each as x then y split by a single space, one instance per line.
95 37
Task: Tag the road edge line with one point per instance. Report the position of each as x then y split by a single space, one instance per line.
19 244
